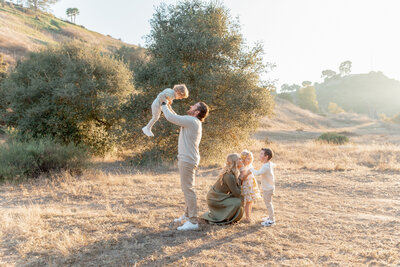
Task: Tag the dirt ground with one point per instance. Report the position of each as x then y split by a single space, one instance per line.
335 206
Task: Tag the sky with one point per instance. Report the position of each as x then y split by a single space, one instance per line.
302 37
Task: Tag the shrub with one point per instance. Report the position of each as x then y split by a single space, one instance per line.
198 44
333 138
334 108
396 118
71 92
307 97
31 158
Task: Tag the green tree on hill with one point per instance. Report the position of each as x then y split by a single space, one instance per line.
307 98
327 74
200 45
72 13
345 67
71 93
41 5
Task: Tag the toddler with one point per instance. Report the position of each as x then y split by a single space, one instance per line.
167 95
250 189
267 183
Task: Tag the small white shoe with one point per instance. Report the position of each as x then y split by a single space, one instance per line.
268 223
181 219
265 219
147 132
188 226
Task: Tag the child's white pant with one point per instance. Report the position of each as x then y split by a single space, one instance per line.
156 112
267 194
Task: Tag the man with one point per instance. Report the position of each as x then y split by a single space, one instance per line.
188 156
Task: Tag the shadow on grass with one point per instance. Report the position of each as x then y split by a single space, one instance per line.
142 249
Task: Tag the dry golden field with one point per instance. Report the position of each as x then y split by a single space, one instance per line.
335 206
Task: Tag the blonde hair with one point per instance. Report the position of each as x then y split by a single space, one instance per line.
231 166
182 90
245 154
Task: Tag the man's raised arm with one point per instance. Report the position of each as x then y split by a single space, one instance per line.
183 121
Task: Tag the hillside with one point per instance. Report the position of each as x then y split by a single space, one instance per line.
292 124
21 33
371 93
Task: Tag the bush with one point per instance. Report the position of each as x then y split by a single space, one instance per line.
71 92
333 138
334 108
31 158
199 44
307 97
396 118
286 96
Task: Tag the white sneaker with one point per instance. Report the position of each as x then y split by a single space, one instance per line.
147 132
268 223
188 226
181 219
265 219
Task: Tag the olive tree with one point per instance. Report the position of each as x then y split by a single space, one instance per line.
200 45
70 92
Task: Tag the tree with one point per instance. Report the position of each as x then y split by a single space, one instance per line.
200 45
41 5
307 98
72 13
306 83
345 67
327 74
286 88
71 93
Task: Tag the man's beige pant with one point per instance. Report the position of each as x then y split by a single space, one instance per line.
267 194
187 172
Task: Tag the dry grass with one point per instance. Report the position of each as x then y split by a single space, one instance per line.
335 206
323 217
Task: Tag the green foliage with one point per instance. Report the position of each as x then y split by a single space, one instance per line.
131 55
31 158
286 96
71 93
334 108
370 93
334 138
42 5
307 98
3 67
396 118
200 45
345 67
327 74
72 13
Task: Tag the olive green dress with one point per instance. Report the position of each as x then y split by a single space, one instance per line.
224 201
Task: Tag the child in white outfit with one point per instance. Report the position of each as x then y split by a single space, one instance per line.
167 95
250 189
267 183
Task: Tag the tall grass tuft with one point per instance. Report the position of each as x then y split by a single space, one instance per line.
31 158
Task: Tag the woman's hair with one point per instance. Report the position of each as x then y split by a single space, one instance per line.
182 90
268 152
245 154
231 166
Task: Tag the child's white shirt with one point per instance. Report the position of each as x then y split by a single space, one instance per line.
267 175
166 95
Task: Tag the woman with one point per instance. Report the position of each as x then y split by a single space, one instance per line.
224 198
